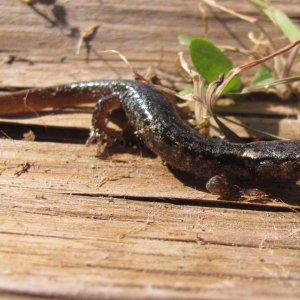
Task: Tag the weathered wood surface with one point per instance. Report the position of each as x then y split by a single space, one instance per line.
146 33
74 169
76 226
140 29
65 233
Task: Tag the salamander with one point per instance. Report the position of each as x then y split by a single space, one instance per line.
166 134
158 124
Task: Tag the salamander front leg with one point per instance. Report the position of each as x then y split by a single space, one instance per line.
100 133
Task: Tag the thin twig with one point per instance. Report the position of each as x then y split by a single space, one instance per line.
204 20
133 70
290 61
214 4
235 71
270 135
252 64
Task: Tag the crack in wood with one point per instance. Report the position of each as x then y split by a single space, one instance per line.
190 202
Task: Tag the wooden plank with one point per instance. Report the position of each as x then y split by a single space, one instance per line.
118 248
75 170
278 230
138 29
75 69
40 47
75 226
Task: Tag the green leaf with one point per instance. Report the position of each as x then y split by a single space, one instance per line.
184 39
263 76
279 18
210 62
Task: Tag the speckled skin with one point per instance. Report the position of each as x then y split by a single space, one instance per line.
166 134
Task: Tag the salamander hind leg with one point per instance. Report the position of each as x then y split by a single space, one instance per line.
100 133
221 185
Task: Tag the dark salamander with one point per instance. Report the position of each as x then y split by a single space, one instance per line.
167 135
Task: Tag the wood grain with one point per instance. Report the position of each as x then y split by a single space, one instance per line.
139 29
73 225
75 169
76 244
128 249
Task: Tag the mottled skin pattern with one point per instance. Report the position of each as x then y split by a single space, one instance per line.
166 134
